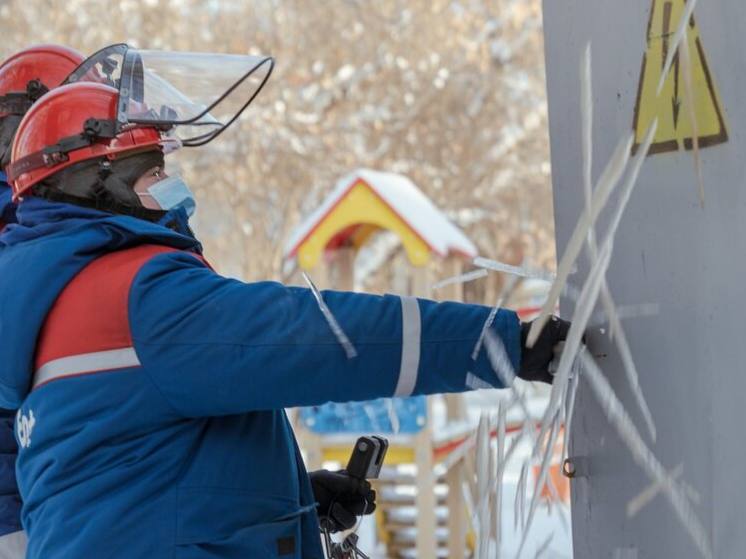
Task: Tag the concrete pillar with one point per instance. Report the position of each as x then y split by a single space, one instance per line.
669 250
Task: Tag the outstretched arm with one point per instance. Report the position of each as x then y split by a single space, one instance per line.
217 346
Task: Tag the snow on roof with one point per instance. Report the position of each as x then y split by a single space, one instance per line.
408 201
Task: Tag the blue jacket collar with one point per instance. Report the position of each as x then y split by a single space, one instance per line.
38 218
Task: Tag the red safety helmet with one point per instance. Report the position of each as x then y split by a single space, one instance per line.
30 73
74 123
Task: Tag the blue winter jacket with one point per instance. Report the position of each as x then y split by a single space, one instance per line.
177 446
10 500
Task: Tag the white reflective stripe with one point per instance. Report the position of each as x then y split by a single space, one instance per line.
13 546
86 363
410 346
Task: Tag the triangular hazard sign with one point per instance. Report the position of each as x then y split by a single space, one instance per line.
674 124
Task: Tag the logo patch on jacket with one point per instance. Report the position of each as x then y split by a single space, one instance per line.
24 427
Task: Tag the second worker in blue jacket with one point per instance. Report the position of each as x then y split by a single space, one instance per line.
151 389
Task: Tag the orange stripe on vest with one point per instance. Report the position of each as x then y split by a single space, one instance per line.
87 330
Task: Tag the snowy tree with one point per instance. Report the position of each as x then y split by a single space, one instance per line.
450 93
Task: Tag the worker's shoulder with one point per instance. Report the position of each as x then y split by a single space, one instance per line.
128 261
92 311
117 270
111 274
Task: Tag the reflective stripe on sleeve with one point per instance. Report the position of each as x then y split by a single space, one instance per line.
13 546
410 350
86 363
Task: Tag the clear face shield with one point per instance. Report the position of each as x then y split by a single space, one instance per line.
192 96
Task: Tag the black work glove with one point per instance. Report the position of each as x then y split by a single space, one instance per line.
535 360
341 498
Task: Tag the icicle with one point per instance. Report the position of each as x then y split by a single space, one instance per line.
611 176
499 359
633 378
570 291
636 504
570 410
689 101
344 341
462 450
393 416
483 464
580 317
503 368
514 443
673 45
520 497
544 547
587 301
631 182
468 500
606 184
458 453
541 480
501 464
504 294
524 495
618 417
521 272
610 307
470 480
691 493
586 104
485 328
461 278
614 321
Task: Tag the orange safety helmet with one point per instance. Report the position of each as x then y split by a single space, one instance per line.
30 73
74 123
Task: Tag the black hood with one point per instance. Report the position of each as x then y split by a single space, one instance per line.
104 184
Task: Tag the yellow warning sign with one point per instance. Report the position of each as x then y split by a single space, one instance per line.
674 123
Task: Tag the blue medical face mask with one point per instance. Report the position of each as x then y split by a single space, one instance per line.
171 193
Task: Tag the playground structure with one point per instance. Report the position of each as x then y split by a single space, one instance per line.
424 510
362 204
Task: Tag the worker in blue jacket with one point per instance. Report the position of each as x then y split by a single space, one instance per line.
24 77
12 540
151 389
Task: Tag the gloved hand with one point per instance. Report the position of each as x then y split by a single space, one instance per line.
341 498
535 360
